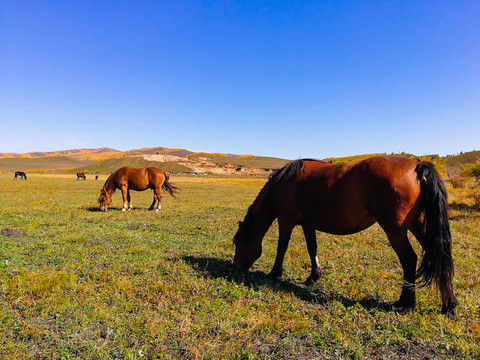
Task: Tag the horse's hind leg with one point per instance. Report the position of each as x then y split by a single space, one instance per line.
153 203
311 238
408 259
417 228
157 197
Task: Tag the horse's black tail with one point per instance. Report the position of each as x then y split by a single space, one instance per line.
171 189
437 263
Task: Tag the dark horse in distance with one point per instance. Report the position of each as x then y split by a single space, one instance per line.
81 176
127 179
399 193
22 175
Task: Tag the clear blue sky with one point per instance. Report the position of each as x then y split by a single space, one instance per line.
279 78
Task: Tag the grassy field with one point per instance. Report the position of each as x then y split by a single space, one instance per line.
79 283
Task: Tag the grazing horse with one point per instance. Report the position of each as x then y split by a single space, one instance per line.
22 175
399 193
81 176
127 178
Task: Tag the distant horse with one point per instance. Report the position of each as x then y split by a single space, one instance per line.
398 193
22 175
81 176
96 177
127 178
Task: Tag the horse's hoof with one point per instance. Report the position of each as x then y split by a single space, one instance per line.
312 279
402 308
451 314
124 209
274 276
450 310
156 210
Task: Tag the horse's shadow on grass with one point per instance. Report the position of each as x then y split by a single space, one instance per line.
112 209
219 268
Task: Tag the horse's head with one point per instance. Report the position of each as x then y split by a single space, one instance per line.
246 250
105 200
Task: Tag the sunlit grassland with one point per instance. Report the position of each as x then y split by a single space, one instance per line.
79 283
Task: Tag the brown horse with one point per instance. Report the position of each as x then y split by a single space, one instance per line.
127 178
398 193
22 175
81 176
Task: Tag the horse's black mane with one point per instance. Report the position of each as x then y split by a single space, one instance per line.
290 170
287 172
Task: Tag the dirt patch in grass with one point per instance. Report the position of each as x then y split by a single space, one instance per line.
10 232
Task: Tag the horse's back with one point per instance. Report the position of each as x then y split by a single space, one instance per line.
139 179
346 198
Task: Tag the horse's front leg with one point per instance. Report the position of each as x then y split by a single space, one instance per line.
285 231
311 238
125 197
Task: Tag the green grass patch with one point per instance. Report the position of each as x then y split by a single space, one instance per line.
79 283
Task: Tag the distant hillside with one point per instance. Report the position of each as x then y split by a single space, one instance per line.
456 163
342 160
79 154
105 160
241 160
463 159
47 162
110 165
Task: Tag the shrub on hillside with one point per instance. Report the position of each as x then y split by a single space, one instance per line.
472 171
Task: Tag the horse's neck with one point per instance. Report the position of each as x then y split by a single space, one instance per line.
109 186
261 214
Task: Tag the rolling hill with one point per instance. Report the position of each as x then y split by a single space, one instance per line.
79 154
105 160
38 163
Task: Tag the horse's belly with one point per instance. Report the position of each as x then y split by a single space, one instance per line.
138 186
344 222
